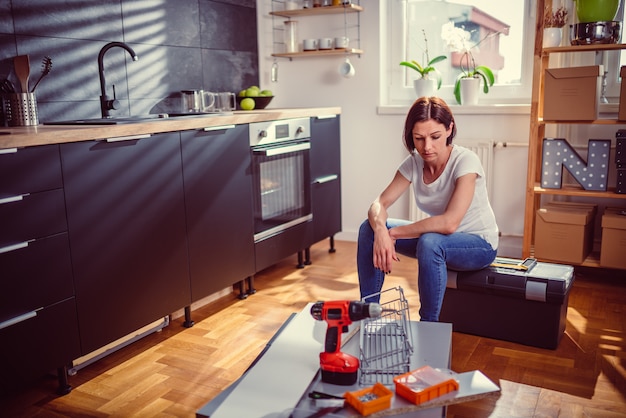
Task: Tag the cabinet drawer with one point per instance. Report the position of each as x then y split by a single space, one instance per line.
34 216
30 170
35 346
35 276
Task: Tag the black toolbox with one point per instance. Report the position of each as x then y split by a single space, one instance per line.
522 301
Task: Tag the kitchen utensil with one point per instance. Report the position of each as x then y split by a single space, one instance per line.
20 109
607 32
197 100
46 67
291 36
21 63
274 76
341 42
7 87
596 10
225 101
346 69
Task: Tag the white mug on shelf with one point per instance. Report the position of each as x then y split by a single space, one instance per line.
325 43
341 42
309 44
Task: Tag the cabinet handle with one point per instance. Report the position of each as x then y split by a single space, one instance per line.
326 116
218 128
8 151
19 318
128 138
13 198
325 179
14 247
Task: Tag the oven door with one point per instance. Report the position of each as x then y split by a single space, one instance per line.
282 187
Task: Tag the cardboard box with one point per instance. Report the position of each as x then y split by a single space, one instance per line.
613 247
621 114
572 93
564 232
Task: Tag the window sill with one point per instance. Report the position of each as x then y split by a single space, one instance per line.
490 109
487 109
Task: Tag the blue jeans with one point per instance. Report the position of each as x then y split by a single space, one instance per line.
435 253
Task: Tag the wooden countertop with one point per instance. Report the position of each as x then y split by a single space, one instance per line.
19 137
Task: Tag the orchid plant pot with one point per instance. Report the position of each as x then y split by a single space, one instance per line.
470 89
425 87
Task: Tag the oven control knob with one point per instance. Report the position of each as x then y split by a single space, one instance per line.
299 130
263 134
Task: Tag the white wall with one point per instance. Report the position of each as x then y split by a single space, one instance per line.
372 142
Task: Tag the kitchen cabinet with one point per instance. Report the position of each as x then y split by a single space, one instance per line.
38 322
326 177
534 191
127 231
330 11
218 200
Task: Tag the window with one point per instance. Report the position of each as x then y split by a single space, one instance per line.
497 26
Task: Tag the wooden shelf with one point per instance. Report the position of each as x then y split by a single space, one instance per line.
584 48
534 191
580 192
326 10
592 260
585 122
318 53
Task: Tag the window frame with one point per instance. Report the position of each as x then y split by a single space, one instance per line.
393 91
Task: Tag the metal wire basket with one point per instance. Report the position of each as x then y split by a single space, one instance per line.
386 343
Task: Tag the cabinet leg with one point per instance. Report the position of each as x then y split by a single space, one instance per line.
300 264
188 321
64 385
307 256
251 289
242 290
332 244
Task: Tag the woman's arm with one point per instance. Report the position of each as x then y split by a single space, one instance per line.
384 245
447 222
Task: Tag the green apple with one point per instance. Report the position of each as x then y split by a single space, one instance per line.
247 104
242 93
252 91
267 93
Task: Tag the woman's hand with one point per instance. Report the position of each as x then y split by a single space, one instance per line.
384 250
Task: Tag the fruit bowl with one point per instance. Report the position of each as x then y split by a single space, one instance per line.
260 102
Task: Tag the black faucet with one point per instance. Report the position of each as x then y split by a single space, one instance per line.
105 103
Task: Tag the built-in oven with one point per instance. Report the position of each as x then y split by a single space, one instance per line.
282 188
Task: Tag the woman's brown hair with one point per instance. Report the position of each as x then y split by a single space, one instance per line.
426 108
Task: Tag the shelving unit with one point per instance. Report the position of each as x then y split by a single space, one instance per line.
537 132
352 9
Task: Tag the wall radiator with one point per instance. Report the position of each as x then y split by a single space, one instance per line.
484 150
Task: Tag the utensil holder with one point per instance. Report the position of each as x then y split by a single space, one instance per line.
20 109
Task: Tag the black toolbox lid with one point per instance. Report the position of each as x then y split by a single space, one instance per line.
524 279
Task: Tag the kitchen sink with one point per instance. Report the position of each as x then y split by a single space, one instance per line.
132 119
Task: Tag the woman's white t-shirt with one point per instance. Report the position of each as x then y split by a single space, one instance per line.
433 198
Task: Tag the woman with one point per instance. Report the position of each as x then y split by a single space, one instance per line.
449 184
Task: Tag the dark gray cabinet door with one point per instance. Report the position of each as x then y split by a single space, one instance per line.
218 199
126 222
325 176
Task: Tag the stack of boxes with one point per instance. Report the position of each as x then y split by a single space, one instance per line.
564 231
613 247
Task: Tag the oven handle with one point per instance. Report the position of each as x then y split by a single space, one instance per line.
270 152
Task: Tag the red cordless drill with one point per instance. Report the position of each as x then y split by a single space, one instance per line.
340 368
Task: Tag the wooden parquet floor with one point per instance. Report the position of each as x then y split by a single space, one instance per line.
174 372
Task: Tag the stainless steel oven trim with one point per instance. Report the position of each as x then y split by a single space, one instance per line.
273 231
284 149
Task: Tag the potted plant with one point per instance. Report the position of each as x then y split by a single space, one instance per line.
425 72
458 40
553 22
